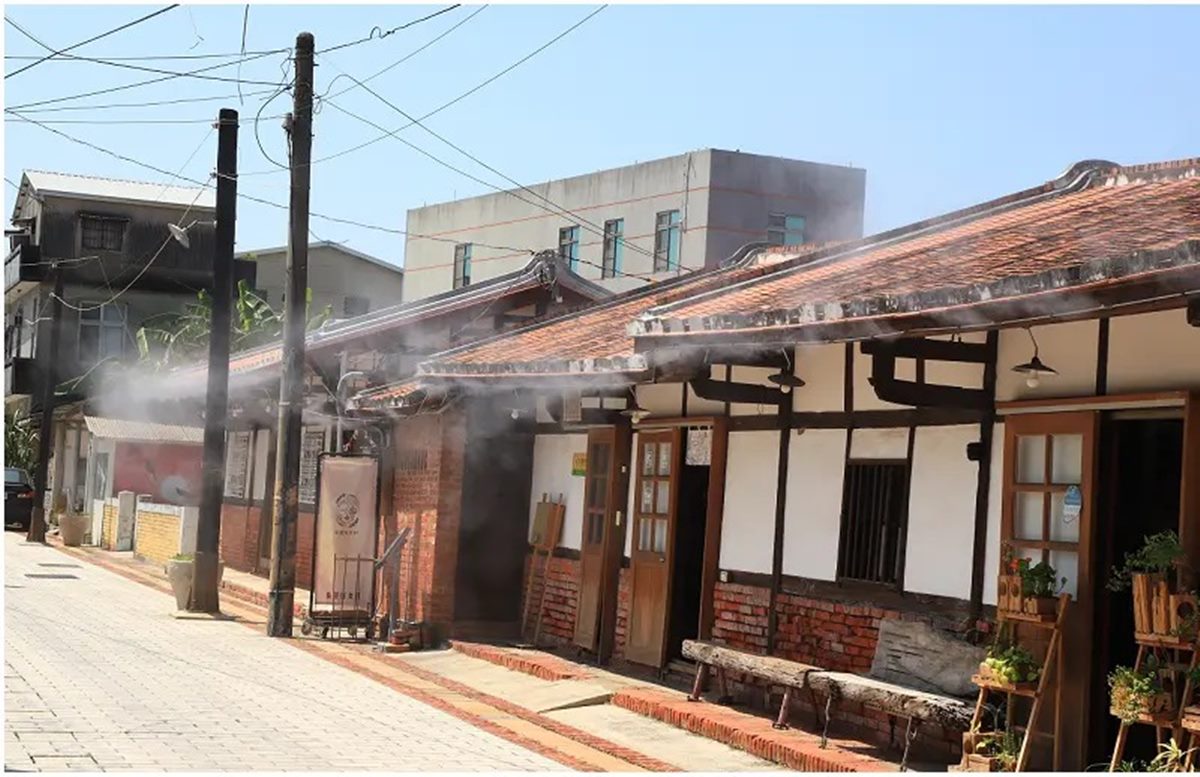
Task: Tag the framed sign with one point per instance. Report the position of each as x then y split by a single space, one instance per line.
347 528
578 465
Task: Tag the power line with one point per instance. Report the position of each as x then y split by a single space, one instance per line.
558 209
384 33
155 57
142 68
151 103
90 40
454 101
132 121
136 84
8 181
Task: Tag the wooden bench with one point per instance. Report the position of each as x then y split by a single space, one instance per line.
915 706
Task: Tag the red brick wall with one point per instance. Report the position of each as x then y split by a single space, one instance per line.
240 527
427 500
562 601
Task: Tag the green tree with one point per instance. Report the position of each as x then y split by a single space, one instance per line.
20 441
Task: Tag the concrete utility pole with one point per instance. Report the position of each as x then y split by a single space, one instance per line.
286 499
216 407
37 523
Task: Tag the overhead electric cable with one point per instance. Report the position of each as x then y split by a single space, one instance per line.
92 39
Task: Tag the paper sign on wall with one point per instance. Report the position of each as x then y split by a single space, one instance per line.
699 447
579 464
1072 504
346 528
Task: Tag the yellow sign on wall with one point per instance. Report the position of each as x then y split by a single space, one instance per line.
579 464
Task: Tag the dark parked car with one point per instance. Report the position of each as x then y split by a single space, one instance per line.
18 498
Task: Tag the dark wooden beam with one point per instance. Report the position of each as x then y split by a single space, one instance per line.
922 348
1102 358
720 391
983 484
785 435
861 419
907 392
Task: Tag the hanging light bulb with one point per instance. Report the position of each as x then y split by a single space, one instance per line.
1035 368
785 378
515 414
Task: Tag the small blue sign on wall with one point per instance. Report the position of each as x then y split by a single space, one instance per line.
1072 504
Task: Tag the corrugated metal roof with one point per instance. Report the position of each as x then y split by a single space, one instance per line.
143 431
116 190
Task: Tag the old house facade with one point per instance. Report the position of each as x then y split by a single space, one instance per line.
724 499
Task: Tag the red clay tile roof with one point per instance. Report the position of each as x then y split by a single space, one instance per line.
1096 213
591 341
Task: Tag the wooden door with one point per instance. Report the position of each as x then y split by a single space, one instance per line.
597 498
1044 456
655 500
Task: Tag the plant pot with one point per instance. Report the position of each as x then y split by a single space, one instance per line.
1008 590
981 763
72 527
1185 616
1151 603
179 573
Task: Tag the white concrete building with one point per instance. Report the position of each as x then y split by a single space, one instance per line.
659 218
350 282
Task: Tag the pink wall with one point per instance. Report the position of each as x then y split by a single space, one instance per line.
169 472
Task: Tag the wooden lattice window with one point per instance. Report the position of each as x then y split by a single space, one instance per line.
874 508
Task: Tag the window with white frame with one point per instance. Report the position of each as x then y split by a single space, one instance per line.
568 246
667 229
101 332
614 236
102 233
311 446
237 463
785 230
462 265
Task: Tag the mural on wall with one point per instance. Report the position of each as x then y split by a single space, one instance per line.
169 473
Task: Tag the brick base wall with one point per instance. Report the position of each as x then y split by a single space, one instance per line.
832 635
108 528
562 601
156 536
241 526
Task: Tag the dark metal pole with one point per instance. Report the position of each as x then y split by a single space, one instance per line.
216 409
286 497
49 359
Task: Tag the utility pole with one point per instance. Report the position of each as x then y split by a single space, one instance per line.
37 523
216 407
286 499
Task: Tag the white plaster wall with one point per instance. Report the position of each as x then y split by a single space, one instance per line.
941 512
663 400
748 524
813 514
552 476
822 367
879 444
757 376
261 447
963 374
1153 352
995 491
1069 348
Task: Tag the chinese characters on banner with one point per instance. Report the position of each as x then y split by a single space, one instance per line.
346 529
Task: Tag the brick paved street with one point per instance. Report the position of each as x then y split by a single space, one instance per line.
99 676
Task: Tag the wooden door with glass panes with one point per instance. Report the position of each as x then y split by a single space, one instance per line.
655 500
596 500
1048 508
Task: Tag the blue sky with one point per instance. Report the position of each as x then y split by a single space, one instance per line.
943 106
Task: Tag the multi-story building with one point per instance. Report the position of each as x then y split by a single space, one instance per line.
350 282
120 266
654 219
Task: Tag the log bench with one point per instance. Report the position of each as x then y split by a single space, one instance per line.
915 706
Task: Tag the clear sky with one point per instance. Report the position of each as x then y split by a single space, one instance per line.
943 106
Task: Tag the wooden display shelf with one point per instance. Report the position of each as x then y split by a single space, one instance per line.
1190 720
1163 641
1023 617
1000 686
1156 719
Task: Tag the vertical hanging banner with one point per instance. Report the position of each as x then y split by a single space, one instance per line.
346 529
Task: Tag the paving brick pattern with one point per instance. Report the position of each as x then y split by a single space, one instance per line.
99 676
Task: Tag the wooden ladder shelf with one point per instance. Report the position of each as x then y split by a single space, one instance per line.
1177 722
1008 622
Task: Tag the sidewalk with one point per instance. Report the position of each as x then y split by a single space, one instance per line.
568 721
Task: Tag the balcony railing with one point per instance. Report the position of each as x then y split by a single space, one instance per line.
23 265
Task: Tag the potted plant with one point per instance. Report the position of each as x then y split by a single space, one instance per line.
1010 665
71 527
179 573
1139 693
1008 590
995 751
1040 585
1152 572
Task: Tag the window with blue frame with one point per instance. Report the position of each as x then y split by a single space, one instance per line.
462 265
614 236
667 235
568 246
785 230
